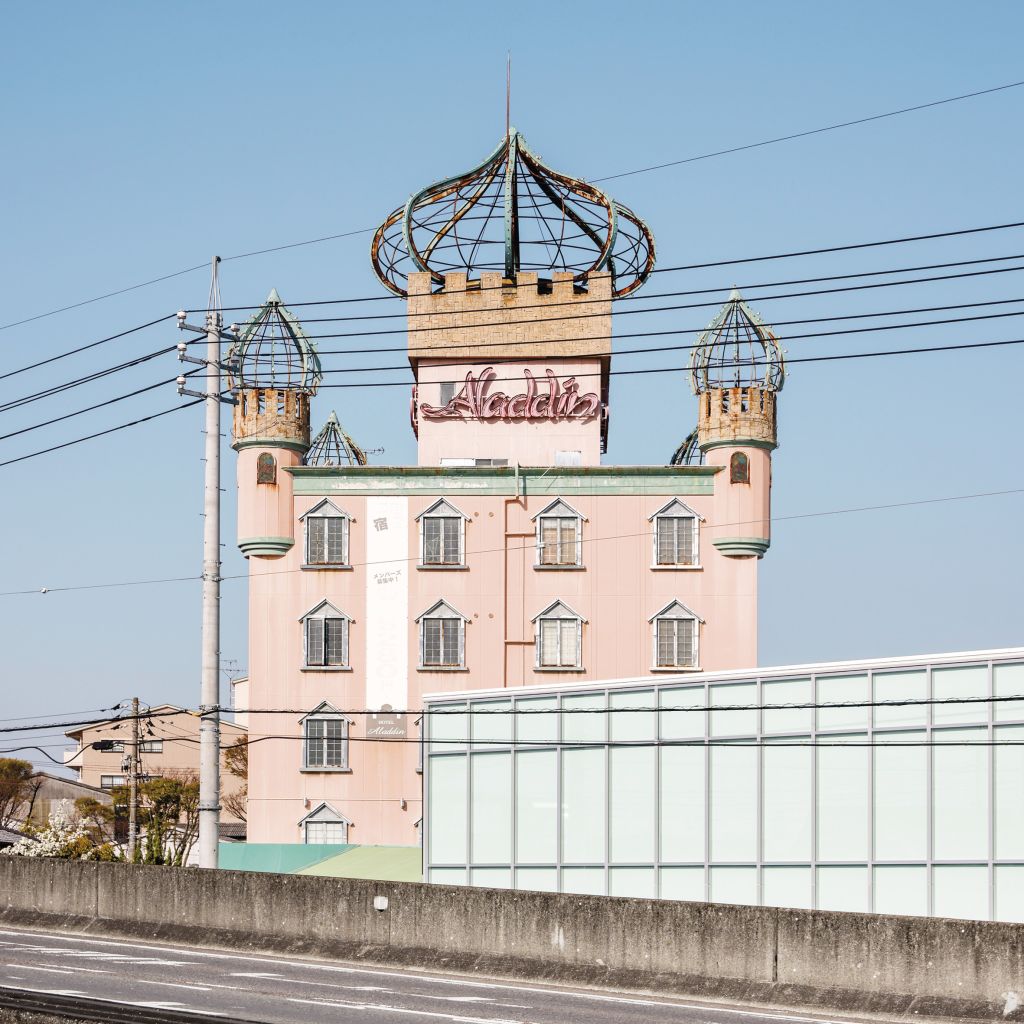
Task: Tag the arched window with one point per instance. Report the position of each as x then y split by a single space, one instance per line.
739 469
266 469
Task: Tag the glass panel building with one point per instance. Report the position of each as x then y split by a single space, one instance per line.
893 787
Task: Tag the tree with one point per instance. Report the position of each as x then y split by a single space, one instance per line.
170 816
236 760
18 789
102 819
64 837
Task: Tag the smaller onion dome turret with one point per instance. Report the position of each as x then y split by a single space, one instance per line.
273 351
737 350
274 370
736 369
333 447
688 453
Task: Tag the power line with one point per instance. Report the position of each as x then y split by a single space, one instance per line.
57 389
517 712
813 131
675 348
652 709
531 546
767 742
83 348
680 369
851 247
92 408
101 433
659 370
657 309
580 300
17 403
611 177
622 352
584 300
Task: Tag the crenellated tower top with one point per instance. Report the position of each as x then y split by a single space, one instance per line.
736 369
275 371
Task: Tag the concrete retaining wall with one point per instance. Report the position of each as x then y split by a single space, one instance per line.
842 962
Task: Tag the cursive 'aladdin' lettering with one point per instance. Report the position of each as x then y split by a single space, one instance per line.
555 402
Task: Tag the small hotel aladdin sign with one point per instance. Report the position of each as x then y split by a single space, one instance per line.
550 399
386 725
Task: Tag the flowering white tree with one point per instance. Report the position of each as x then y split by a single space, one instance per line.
59 837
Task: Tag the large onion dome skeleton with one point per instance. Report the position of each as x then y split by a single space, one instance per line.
273 352
512 213
737 350
333 447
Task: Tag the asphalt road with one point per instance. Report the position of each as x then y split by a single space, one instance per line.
281 990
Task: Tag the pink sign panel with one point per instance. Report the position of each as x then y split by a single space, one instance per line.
550 399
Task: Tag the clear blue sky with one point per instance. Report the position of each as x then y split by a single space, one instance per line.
141 139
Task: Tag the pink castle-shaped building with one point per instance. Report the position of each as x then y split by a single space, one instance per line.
509 553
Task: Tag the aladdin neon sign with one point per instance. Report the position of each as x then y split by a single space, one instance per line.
550 400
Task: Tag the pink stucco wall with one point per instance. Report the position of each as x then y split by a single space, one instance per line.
510 327
617 591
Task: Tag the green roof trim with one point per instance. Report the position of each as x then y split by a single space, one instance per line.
502 480
278 858
380 863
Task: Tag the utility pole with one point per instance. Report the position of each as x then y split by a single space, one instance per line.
133 784
209 704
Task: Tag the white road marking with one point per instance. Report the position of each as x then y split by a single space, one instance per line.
390 991
33 967
453 980
254 974
170 984
383 1008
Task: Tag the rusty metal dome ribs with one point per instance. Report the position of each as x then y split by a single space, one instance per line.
737 350
273 352
512 213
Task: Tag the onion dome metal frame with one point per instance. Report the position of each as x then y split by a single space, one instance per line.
272 351
737 350
689 452
512 213
333 447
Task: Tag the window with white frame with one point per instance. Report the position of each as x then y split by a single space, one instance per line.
324 825
151 747
112 781
442 535
559 536
325 740
325 634
559 637
676 536
327 535
442 637
676 637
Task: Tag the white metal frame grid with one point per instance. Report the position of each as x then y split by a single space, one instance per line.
465 703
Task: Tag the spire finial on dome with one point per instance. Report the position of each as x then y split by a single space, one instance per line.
512 213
